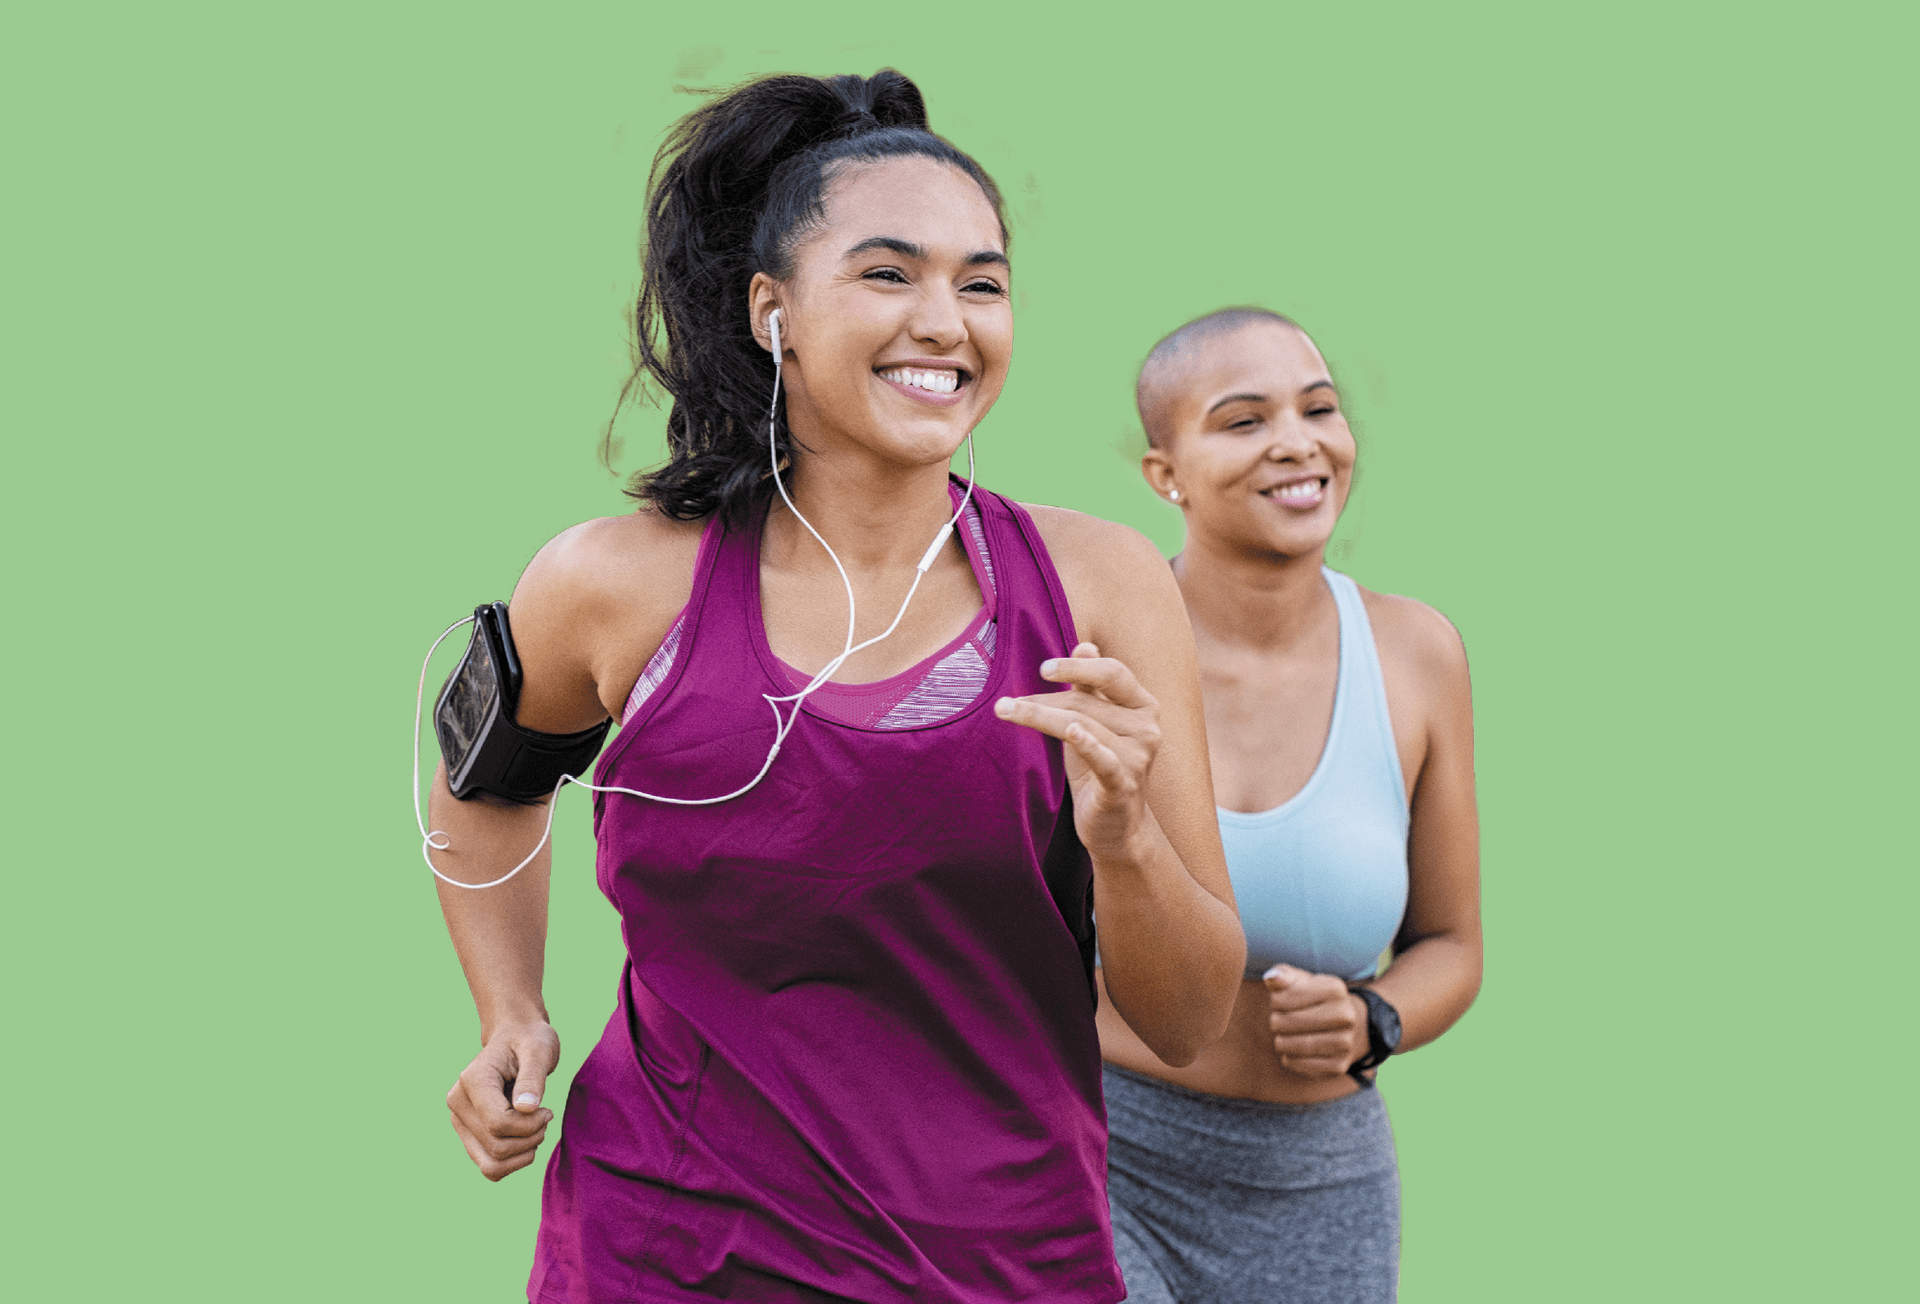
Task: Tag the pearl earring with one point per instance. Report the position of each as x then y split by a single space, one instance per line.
1174 494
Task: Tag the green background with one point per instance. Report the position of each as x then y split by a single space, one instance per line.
312 318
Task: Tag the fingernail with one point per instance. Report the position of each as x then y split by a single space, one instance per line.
526 1098
1277 971
1003 707
1050 665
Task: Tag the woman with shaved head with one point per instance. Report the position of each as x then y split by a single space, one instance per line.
1340 728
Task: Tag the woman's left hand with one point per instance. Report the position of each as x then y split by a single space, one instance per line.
1111 728
1319 1027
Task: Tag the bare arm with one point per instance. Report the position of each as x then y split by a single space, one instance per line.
588 612
1171 947
1320 1028
1436 966
500 934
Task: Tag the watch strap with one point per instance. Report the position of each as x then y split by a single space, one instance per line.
1381 1017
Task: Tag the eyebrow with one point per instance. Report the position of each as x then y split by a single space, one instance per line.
908 249
1262 398
1236 398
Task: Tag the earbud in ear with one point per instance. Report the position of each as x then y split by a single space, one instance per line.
773 328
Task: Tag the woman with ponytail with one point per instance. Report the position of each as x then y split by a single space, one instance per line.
854 1055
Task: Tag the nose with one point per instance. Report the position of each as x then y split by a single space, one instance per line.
937 320
1293 439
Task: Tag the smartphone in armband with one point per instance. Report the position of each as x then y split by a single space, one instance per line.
485 750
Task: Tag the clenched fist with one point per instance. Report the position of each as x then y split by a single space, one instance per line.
1319 1027
496 1101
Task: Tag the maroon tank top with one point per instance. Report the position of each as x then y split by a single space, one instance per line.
854 1054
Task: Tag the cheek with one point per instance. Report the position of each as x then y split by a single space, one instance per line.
1233 462
1343 464
993 337
1342 452
834 359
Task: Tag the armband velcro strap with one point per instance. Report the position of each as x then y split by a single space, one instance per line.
485 750
524 764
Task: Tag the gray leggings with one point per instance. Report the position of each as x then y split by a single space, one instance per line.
1224 1201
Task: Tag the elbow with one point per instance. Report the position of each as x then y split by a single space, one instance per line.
1179 1047
1208 1015
1470 967
1175 1057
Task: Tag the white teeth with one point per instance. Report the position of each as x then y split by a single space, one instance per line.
1300 489
934 382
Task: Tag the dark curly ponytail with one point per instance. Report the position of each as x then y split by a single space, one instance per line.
736 185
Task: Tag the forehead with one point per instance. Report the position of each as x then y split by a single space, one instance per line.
1264 357
913 198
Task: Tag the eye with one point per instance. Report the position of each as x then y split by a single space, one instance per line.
983 287
1324 410
1243 423
892 275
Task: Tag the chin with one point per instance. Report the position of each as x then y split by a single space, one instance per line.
1299 545
923 447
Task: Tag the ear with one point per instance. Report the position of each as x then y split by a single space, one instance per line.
1157 468
762 299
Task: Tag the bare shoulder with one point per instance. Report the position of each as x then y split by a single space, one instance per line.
632 565
1418 637
1069 528
1112 573
590 609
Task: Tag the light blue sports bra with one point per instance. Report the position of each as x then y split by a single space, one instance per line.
1321 880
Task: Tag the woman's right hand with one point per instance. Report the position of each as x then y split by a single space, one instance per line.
496 1100
1111 728
1319 1026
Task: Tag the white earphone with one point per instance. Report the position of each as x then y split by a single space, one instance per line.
783 725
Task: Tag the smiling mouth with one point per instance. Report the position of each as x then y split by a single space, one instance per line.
1298 493
945 380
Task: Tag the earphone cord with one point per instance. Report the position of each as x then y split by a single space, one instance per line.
783 725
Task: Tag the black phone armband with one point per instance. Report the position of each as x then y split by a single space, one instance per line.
484 749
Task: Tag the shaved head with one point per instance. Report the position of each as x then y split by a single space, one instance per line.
1169 366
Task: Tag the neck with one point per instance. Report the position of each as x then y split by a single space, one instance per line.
1260 601
878 517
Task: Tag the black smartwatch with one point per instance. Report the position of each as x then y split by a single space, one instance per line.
1383 1034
